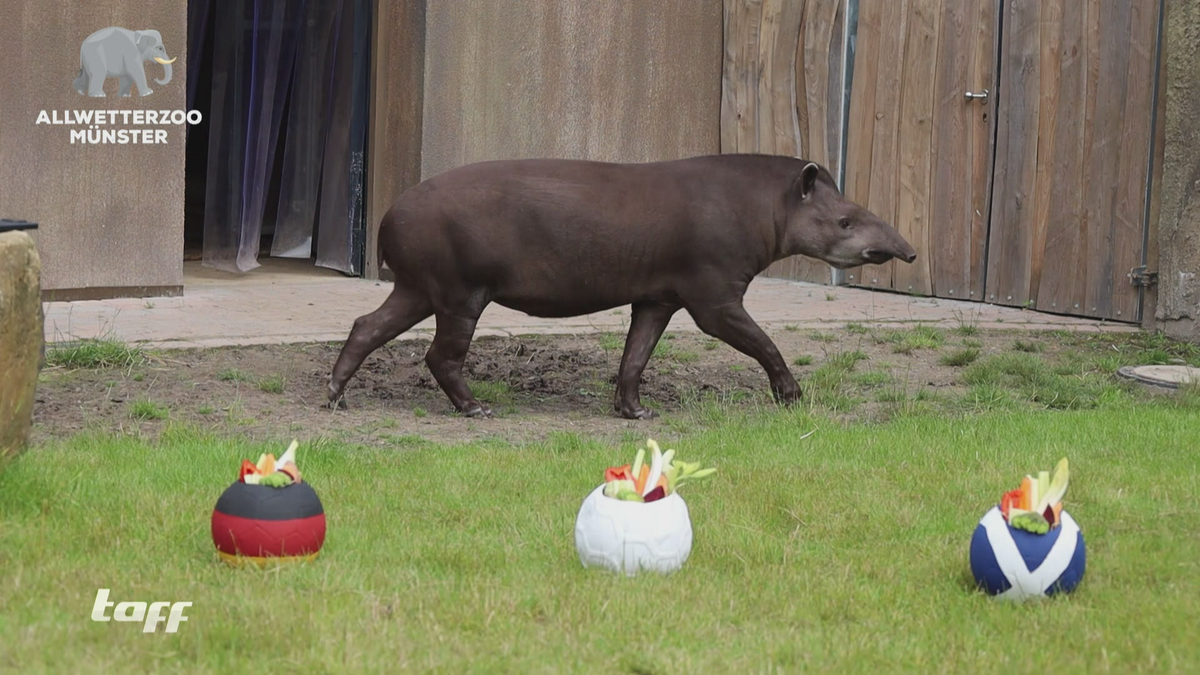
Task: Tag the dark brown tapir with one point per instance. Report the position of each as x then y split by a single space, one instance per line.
559 238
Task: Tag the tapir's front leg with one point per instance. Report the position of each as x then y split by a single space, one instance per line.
730 323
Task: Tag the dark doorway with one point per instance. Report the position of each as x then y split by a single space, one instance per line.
276 167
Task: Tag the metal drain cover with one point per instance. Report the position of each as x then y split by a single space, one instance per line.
1168 377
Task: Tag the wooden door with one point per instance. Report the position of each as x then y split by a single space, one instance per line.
782 90
1073 149
918 151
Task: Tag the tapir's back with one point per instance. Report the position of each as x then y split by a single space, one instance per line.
589 233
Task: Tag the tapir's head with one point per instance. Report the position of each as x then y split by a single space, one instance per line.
823 224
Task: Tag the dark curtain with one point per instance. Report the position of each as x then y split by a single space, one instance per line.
304 60
338 246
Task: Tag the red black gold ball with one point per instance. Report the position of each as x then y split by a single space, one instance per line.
258 524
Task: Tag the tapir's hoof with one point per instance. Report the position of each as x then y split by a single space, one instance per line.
638 414
336 404
788 399
476 409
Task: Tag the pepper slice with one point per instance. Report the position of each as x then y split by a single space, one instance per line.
1010 500
248 469
617 473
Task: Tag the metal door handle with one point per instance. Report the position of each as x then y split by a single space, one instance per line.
983 95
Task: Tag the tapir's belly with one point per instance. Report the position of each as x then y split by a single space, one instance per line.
555 291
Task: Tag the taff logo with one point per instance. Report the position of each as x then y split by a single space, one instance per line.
136 611
117 52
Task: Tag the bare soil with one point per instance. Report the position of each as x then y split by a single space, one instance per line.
537 386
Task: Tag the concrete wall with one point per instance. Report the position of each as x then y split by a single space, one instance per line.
1178 311
111 216
618 80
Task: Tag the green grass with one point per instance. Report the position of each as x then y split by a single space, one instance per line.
493 392
461 559
271 385
145 409
803 360
960 357
1028 377
233 375
95 354
846 360
918 337
857 328
1028 346
612 342
822 336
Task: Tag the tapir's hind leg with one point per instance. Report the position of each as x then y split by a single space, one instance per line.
731 324
402 310
647 326
446 356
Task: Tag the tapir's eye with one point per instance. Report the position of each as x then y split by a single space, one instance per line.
844 223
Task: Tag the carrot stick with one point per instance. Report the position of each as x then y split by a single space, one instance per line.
641 479
1026 493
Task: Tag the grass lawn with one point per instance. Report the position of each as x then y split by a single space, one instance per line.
842 552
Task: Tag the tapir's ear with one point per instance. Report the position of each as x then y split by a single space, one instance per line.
807 182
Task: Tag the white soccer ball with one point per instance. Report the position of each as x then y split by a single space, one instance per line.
630 537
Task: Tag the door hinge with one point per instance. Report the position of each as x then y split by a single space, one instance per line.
1140 276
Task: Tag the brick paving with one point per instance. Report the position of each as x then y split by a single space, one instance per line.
292 302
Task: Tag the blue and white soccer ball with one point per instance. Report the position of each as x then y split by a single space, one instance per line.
630 537
1017 565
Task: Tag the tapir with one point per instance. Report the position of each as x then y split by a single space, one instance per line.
561 238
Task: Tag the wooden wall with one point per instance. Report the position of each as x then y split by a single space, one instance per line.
397 100
618 80
918 152
1073 150
781 90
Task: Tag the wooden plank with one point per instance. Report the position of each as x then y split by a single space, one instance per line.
961 149
817 37
763 105
860 127
835 92
1135 146
983 138
915 143
730 64
811 94
1149 306
885 182
1050 65
397 99
782 68
1091 89
1010 241
948 255
1112 53
1058 277
739 82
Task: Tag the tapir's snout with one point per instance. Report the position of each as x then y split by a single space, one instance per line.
878 256
896 247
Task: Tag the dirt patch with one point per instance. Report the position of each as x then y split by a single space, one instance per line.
537 385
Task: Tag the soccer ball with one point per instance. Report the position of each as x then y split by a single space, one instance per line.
258 524
1017 565
630 537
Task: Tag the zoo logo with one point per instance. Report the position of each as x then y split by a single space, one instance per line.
118 52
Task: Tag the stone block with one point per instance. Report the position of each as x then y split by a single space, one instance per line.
22 340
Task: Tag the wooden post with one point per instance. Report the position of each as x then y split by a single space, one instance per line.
397 103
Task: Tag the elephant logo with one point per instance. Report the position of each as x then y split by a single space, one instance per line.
117 52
